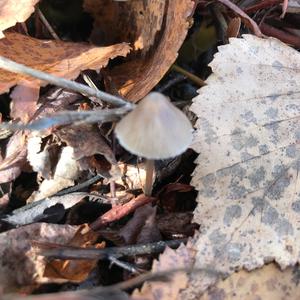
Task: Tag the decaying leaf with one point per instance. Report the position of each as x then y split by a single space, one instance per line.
176 224
268 282
132 231
75 270
19 265
55 57
249 158
129 20
168 290
136 78
12 11
35 212
39 157
86 140
133 176
66 171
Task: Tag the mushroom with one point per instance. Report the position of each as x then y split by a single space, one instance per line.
155 130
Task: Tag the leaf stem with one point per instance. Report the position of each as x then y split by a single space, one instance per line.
188 74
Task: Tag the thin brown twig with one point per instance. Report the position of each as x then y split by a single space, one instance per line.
120 211
246 19
47 24
281 35
188 75
261 5
12 66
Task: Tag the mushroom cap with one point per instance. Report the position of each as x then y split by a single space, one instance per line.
155 129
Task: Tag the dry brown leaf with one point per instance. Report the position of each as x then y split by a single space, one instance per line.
136 78
247 174
66 171
133 227
149 233
19 265
75 270
86 140
13 11
183 257
55 57
246 19
266 283
136 22
234 27
142 227
176 224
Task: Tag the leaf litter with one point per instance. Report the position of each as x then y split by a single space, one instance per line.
247 151
247 170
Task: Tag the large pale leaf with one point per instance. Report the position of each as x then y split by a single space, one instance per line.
247 137
268 282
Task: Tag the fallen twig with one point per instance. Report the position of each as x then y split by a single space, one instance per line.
68 252
188 75
124 265
261 5
12 66
70 117
80 186
281 35
47 25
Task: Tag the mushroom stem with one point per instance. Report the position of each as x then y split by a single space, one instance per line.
149 177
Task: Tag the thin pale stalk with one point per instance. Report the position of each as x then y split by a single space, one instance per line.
149 177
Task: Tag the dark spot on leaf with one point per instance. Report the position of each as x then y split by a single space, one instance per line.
217 237
269 215
257 177
296 206
277 65
272 113
284 227
232 212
